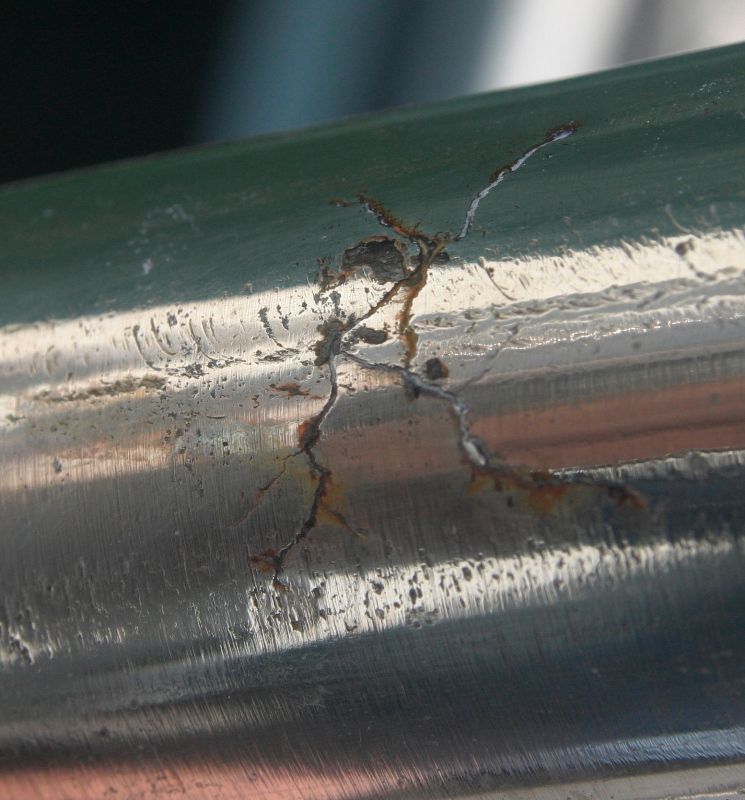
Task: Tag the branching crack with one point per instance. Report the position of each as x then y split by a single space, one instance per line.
331 345
473 448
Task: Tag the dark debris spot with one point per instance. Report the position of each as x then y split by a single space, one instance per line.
435 369
370 335
329 342
268 560
381 255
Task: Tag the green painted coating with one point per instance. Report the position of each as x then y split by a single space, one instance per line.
669 134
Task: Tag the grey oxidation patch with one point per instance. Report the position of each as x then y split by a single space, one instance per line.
381 256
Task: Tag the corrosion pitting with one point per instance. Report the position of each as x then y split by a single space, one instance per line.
381 257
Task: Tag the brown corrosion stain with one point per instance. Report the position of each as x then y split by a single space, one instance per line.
387 261
626 497
388 219
268 560
308 432
541 491
291 389
543 499
332 499
328 279
263 490
431 249
412 286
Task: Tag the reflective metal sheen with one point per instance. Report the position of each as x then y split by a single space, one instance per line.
399 458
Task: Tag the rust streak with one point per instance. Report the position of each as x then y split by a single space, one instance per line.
291 389
388 220
262 490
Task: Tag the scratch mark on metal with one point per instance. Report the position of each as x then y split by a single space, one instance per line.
264 317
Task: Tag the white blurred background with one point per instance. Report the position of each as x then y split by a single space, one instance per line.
85 81
288 63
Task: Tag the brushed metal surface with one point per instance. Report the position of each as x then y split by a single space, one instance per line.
427 519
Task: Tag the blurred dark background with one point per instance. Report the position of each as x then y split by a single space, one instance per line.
86 82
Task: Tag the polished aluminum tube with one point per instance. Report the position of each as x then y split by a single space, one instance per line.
399 458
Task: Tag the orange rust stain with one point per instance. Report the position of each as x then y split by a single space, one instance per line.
410 341
259 496
268 560
480 482
511 480
264 489
333 498
625 496
302 431
331 516
290 388
540 492
543 499
413 285
385 217
306 432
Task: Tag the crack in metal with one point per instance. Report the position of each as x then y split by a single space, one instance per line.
473 448
327 348
542 486
499 175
